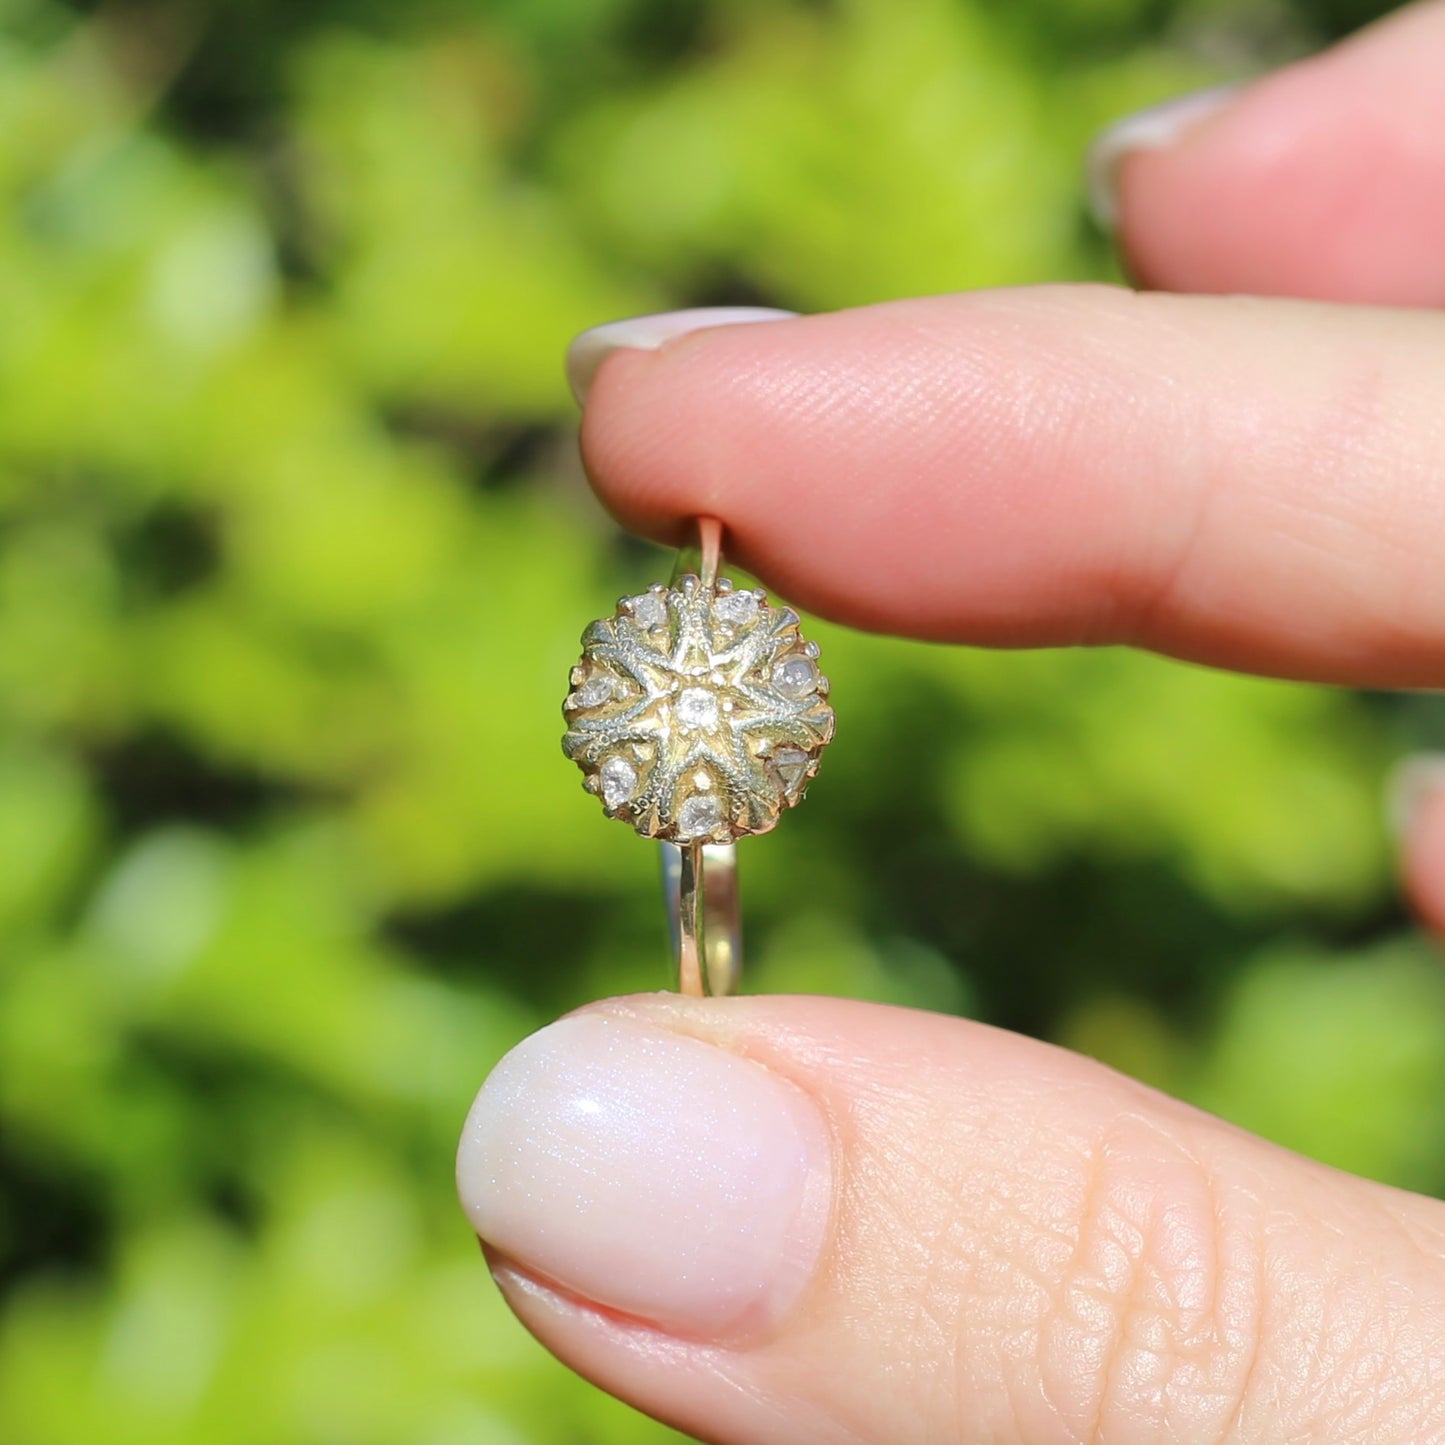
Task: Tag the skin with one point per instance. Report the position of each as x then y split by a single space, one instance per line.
1029 1247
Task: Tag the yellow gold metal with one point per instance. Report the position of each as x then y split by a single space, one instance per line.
709 531
702 904
697 715
692 922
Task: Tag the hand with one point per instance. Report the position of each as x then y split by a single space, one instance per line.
807 1220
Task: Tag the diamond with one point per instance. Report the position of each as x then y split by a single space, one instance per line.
698 816
649 608
736 609
796 677
697 708
619 781
599 688
790 764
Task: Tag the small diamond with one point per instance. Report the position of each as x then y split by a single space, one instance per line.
650 609
697 708
737 609
796 677
698 816
599 688
790 765
619 781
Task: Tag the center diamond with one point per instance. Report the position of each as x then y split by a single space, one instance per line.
697 707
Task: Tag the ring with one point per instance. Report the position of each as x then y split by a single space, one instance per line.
698 715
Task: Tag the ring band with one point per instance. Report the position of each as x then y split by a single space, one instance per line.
700 886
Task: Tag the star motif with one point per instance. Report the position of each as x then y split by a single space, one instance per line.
697 714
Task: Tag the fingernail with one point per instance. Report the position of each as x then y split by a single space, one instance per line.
1413 785
649 1173
1154 129
646 333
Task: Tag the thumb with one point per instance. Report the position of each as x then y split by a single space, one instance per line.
807 1220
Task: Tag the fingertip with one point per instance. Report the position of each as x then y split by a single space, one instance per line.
1158 128
577 1164
590 348
1324 180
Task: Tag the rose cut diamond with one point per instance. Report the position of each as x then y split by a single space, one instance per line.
796 677
599 688
619 781
791 764
736 609
699 816
649 608
697 707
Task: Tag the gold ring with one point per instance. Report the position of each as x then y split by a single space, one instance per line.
698 714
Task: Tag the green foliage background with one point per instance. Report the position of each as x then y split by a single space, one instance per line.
295 555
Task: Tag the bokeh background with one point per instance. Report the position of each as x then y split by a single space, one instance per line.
294 554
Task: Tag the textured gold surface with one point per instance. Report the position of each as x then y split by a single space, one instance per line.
695 714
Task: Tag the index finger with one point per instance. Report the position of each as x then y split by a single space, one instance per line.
1251 484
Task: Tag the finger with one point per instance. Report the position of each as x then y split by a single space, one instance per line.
1325 179
1418 814
777 1219
1251 484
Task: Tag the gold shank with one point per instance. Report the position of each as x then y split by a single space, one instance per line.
701 884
